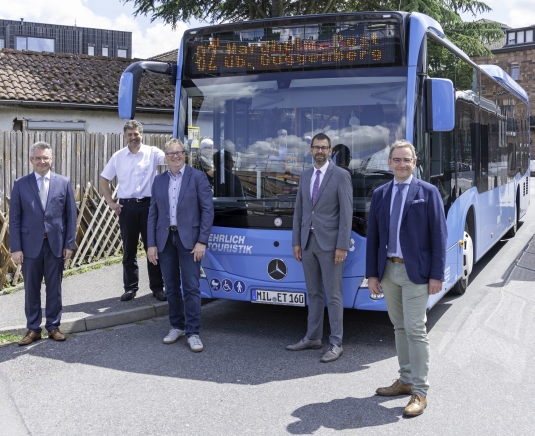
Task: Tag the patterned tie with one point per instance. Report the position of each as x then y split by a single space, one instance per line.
43 192
316 187
394 218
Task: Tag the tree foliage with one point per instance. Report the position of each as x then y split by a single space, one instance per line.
471 37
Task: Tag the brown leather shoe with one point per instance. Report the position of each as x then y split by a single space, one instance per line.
397 388
416 406
30 337
56 335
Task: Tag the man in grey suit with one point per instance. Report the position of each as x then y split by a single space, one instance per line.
42 227
320 239
180 220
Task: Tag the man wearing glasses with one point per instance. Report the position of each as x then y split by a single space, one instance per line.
320 238
42 228
135 168
180 221
405 260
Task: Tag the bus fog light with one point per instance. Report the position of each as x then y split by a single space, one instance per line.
377 297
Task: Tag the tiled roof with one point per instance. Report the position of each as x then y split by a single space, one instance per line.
78 79
169 56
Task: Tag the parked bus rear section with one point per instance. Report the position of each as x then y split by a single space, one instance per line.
260 90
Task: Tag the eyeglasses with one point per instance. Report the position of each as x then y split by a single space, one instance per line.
316 148
174 153
398 160
41 159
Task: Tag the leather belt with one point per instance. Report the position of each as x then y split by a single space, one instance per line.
173 228
136 200
395 259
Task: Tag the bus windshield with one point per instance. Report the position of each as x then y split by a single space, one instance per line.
256 132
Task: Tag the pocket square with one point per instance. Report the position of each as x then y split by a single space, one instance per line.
420 200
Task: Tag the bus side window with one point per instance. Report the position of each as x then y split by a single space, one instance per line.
443 167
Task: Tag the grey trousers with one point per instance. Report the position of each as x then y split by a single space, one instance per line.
320 271
407 303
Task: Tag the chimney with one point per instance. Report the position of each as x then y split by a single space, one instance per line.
22 21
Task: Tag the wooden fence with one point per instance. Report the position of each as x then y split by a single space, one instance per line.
81 157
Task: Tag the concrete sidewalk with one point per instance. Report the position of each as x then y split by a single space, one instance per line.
91 300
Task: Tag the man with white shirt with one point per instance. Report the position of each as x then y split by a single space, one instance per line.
135 168
42 228
320 238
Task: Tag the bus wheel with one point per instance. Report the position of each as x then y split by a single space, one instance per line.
468 263
512 231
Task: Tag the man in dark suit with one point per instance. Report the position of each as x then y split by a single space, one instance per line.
405 259
180 220
320 238
42 227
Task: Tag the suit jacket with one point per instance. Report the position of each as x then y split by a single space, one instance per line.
332 213
422 233
195 210
28 221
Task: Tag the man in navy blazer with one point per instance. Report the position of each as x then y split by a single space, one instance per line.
42 228
405 260
180 220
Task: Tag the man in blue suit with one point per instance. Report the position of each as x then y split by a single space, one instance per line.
42 227
180 220
405 259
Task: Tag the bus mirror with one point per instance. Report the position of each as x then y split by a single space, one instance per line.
129 84
440 105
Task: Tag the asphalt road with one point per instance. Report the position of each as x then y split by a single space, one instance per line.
125 381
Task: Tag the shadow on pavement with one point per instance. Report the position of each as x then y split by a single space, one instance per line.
344 414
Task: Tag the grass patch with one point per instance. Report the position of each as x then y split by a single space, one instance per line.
8 338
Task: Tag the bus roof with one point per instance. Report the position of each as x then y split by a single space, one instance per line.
503 78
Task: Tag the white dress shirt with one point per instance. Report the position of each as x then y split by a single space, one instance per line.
135 172
175 183
407 182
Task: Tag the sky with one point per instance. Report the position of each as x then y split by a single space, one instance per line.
150 39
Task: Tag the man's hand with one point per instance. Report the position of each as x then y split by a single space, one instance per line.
198 251
298 253
339 256
116 207
435 286
17 257
152 255
67 253
374 286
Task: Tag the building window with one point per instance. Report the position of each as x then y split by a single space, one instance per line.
529 35
511 38
520 37
121 52
2 43
35 44
104 50
515 69
91 50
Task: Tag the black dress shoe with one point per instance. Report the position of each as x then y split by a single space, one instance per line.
159 295
128 295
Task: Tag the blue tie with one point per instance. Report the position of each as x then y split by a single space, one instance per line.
316 186
394 218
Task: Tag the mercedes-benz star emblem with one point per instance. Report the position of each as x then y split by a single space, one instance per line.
277 269
278 222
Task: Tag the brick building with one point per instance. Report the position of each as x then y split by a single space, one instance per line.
516 56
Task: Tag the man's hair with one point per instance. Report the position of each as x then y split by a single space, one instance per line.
175 141
132 125
41 145
320 137
402 143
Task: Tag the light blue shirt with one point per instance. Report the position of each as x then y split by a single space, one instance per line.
407 182
175 183
40 180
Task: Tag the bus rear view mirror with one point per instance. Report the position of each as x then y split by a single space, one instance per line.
129 84
440 105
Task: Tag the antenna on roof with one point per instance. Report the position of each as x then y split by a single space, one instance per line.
75 22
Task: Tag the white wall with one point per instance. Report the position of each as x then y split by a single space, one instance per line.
96 121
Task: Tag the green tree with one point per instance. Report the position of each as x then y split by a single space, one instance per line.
471 37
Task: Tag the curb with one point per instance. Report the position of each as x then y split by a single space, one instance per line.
105 320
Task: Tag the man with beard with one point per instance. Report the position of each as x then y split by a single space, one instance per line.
320 239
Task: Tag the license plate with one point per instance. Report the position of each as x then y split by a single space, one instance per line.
278 297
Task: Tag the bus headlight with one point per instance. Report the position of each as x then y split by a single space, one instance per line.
364 284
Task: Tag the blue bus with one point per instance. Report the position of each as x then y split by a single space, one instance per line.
256 93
